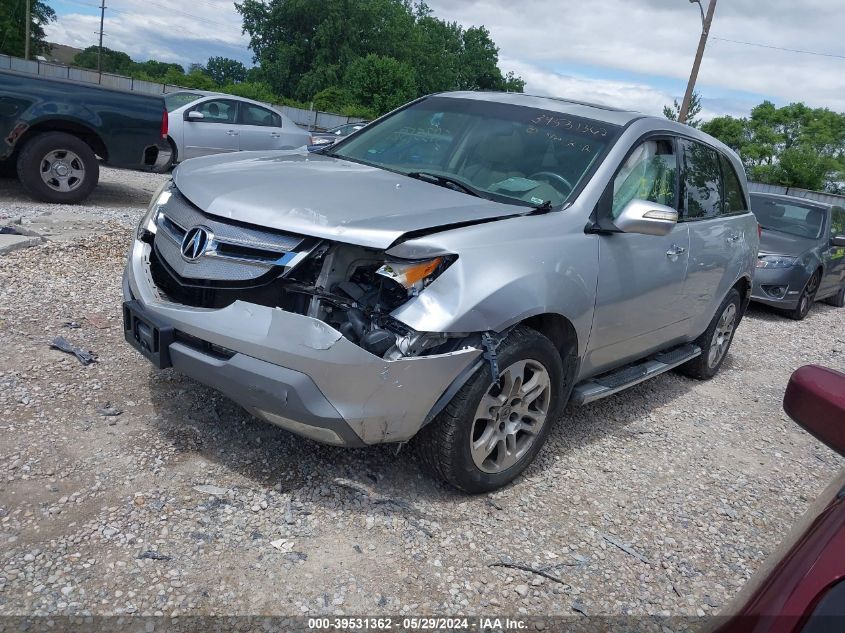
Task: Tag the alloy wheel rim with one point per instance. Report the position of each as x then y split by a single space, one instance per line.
722 335
510 416
808 294
62 170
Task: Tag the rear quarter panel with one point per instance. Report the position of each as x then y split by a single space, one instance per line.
126 122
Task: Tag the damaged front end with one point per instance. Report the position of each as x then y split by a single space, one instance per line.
319 308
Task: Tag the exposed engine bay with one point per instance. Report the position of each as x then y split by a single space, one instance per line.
352 288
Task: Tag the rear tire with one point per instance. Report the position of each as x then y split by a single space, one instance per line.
837 300
58 167
805 301
483 414
716 340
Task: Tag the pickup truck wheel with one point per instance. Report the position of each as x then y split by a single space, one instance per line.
491 431
58 167
837 300
716 340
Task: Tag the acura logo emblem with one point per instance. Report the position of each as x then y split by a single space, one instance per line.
195 243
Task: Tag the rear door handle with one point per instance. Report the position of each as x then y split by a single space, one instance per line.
275 134
733 238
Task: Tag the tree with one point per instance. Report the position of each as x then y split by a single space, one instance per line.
116 62
674 112
794 146
224 70
13 27
307 46
380 83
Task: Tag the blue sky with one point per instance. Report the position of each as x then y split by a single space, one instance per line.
628 54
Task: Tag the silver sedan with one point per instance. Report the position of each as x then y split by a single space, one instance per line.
203 123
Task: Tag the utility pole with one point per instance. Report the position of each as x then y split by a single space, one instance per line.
28 34
100 50
706 20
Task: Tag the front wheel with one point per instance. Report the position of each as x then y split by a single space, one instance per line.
58 167
805 301
716 340
492 430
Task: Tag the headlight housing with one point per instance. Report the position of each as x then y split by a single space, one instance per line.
147 225
414 275
776 261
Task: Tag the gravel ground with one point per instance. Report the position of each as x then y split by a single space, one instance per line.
184 504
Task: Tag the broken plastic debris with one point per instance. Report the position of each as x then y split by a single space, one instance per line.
62 344
109 411
283 544
151 555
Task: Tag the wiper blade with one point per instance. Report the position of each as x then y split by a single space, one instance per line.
445 181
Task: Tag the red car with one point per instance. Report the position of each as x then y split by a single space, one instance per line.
801 588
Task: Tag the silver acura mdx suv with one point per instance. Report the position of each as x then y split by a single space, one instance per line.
458 271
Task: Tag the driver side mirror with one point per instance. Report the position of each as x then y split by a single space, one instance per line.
837 240
648 218
194 115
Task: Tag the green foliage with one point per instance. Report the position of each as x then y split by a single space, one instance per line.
116 62
225 71
13 27
333 99
258 91
305 47
794 146
673 112
380 83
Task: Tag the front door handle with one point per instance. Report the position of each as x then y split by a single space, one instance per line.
275 134
232 133
676 250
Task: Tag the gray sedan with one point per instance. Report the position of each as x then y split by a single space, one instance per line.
802 253
202 123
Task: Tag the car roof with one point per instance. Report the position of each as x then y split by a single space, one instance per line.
595 111
206 94
794 199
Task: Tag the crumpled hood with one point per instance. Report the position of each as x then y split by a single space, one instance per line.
321 196
778 243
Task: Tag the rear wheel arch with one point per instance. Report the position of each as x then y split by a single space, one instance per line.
74 128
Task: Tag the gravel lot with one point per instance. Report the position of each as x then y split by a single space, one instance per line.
184 504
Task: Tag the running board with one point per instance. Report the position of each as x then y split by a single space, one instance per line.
630 375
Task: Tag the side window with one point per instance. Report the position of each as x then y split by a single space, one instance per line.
702 181
255 115
218 111
649 173
734 198
837 224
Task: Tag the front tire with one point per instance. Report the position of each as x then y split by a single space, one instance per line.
58 167
716 340
491 431
805 301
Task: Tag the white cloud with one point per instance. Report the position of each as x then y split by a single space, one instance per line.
175 31
653 39
659 38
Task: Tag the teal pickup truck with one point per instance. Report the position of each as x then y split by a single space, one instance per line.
55 134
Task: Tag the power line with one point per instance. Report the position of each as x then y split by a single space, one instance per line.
780 48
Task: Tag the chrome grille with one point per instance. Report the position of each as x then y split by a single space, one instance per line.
234 252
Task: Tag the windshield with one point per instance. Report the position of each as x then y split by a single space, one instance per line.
500 151
788 217
176 100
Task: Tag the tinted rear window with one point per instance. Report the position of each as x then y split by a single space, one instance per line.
788 216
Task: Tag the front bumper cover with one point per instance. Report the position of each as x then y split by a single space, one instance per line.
793 279
298 372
